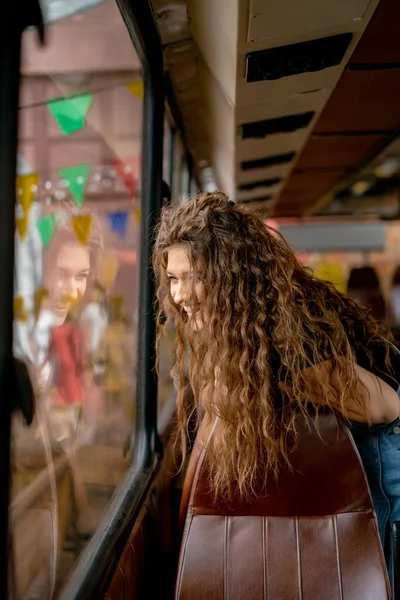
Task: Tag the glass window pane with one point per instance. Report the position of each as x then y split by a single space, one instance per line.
178 158
167 153
184 180
76 288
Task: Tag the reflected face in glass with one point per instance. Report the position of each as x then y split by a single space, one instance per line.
180 275
66 280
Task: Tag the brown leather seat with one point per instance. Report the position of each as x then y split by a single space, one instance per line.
313 536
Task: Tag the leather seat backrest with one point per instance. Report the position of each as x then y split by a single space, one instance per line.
313 534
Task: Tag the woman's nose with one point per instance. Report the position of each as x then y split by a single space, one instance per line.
69 290
180 293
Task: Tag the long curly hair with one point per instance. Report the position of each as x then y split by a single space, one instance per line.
266 320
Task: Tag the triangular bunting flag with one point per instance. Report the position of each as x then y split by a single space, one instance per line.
70 113
136 88
82 225
22 226
128 170
137 213
26 186
76 178
118 222
20 313
46 226
110 268
40 295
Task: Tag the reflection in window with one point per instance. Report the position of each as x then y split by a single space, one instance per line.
75 304
54 10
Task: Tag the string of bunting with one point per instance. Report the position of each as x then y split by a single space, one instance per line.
75 179
70 113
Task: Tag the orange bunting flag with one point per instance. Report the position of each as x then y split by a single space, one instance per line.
20 313
26 186
82 225
136 88
22 226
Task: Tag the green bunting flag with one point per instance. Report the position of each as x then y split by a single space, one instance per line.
76 178
70 113
46 226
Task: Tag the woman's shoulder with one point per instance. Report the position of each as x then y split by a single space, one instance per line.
381 360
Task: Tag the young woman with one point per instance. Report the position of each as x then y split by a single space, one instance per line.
265 340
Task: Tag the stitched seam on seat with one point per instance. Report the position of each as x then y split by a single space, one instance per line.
134 564
339 573
264 556
182 566
226 559
123 582
372 515
298 558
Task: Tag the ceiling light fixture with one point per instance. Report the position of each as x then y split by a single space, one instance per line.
387 168
359 188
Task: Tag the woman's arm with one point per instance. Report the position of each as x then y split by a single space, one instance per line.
379 402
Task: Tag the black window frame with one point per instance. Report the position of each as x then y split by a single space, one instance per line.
10 52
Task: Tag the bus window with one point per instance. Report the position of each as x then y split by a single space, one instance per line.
184 181
77 216
178 158
167 152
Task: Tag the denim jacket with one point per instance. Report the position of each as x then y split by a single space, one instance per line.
379 448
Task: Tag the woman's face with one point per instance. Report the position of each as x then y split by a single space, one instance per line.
66 280
180 275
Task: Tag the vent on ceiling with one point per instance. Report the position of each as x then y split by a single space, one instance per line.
256 184
295 59
268 161
288 124
258 200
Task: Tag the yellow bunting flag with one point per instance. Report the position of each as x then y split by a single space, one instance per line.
22 226
136 88
20 313
26 187
137 213
110 269
40 295
82 225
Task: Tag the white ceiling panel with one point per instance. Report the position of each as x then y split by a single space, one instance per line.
272 144
259 192
258 174
271 19
281 107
